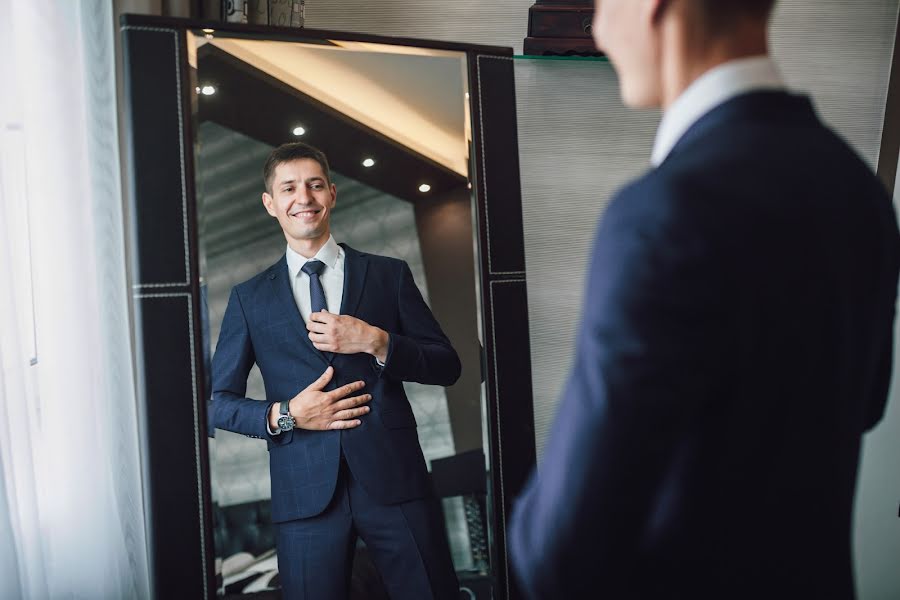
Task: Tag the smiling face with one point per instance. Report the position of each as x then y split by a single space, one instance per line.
301 198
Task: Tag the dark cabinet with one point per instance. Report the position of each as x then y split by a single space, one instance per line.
560 28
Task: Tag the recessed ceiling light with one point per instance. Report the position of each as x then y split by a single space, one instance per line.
299 131
467 95
369 162
208 90
209 31
198 89
424 188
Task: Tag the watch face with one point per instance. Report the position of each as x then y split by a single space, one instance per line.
285 422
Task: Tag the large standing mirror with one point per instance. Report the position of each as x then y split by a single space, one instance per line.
421 141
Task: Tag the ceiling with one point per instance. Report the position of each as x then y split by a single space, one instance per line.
414 97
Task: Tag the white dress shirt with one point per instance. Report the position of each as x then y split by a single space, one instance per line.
715 87
332 277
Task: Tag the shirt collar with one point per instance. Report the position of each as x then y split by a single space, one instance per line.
328 254
711 89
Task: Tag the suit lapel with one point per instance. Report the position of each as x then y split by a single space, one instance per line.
355 266
279 277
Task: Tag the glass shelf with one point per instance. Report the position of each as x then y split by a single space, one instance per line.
600 59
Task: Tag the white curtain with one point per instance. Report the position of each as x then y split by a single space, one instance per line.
71 509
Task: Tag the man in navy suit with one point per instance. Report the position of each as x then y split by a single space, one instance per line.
335 333
736 338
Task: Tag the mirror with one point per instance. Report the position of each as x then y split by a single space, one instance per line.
422 140
395 127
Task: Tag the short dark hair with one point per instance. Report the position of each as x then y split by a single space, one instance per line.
722 13
289 152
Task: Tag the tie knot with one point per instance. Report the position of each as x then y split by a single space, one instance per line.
313 267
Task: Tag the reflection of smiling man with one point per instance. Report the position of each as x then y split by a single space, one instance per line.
346 328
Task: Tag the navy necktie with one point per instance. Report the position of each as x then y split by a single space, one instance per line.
316 292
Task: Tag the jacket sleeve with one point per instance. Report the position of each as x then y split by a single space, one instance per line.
419 351
230 409
645 352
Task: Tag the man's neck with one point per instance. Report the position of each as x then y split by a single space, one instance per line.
688 55
308 248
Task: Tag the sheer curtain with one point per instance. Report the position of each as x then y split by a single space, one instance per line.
71 515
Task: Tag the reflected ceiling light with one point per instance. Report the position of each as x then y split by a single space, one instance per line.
467 95
298 131
369 162
208 90
198 89
424 188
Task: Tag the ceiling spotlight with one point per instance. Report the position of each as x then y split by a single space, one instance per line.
369 162
209 31
208 90
424 188
198 89
298 131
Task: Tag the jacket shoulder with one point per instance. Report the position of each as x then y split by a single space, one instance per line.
260 279
658 197
378 261
386 262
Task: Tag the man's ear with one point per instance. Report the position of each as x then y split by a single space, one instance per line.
333 195
269 202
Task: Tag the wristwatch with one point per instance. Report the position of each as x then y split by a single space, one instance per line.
286 421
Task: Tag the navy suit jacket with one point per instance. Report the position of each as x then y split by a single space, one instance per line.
735 345
263 326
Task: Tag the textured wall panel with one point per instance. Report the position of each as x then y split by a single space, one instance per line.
840 51
577 144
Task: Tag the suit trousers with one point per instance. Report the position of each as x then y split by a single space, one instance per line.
407 542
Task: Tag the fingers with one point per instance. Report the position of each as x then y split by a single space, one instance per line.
320 338
321 317
322 381
353 402
351 413
323 342
345 390
345 424
317 327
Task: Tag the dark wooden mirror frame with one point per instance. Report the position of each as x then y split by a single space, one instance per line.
164 274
